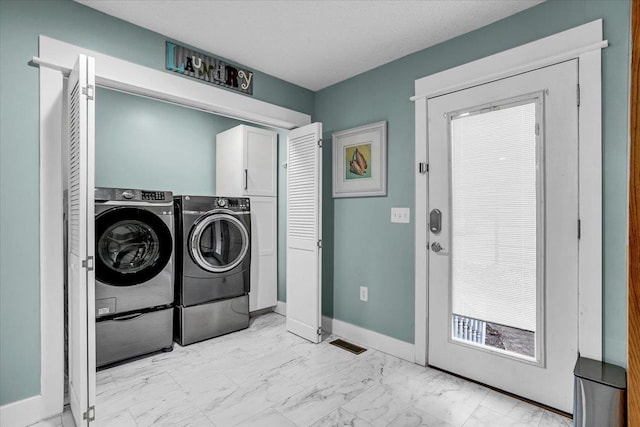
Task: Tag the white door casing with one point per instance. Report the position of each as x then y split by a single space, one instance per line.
304 232
81 236
548 379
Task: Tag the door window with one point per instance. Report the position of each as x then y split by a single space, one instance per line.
219 242
132 246
496 225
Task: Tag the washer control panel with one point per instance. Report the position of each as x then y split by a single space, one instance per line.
103 194
153 195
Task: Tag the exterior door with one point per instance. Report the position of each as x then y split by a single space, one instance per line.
304 232
503 224
80 238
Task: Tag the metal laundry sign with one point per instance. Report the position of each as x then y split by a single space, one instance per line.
213 70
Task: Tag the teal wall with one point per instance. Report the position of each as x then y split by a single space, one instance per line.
143 143
21 22
364 249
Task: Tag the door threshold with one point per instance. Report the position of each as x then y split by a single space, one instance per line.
506 393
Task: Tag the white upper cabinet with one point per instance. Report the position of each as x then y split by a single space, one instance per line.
246 162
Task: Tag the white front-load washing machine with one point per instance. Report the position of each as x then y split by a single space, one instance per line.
134 238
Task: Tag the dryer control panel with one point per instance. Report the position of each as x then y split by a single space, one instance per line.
235 203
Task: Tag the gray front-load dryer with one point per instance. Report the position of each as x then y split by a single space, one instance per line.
134 260
213 247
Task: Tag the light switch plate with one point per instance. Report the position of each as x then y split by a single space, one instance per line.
400 215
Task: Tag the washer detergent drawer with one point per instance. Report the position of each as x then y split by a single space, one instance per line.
132 335
204 321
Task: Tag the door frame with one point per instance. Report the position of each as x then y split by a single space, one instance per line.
633 293
584 43
55 61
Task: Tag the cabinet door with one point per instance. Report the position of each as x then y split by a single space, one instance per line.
259 159
229 163
264 253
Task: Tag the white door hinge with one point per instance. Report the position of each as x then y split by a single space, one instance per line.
579 229
578 95
537 129
88 263
423 167
88 90
319 331
90 415
320 244
320 143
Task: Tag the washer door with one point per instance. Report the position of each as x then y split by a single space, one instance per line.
218 242
133 245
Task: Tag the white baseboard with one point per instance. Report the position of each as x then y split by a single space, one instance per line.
281 308
327 324
362 336
21 413
368 338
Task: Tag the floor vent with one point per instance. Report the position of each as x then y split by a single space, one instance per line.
348 346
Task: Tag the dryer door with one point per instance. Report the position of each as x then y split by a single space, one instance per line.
218 242
133 245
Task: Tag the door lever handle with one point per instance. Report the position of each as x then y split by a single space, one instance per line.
438 249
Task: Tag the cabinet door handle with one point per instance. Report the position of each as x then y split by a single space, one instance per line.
246 179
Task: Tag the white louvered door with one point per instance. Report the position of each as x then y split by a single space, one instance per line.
304 232
81 236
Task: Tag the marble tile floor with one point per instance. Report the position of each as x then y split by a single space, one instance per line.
264 376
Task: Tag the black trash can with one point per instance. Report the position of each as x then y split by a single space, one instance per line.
599 394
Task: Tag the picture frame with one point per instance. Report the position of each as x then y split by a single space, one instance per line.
360 161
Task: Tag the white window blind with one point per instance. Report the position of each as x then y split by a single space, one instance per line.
494 215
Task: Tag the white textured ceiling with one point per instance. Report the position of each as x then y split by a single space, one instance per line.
313 44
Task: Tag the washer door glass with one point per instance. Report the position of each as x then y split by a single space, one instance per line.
133 245
218 242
